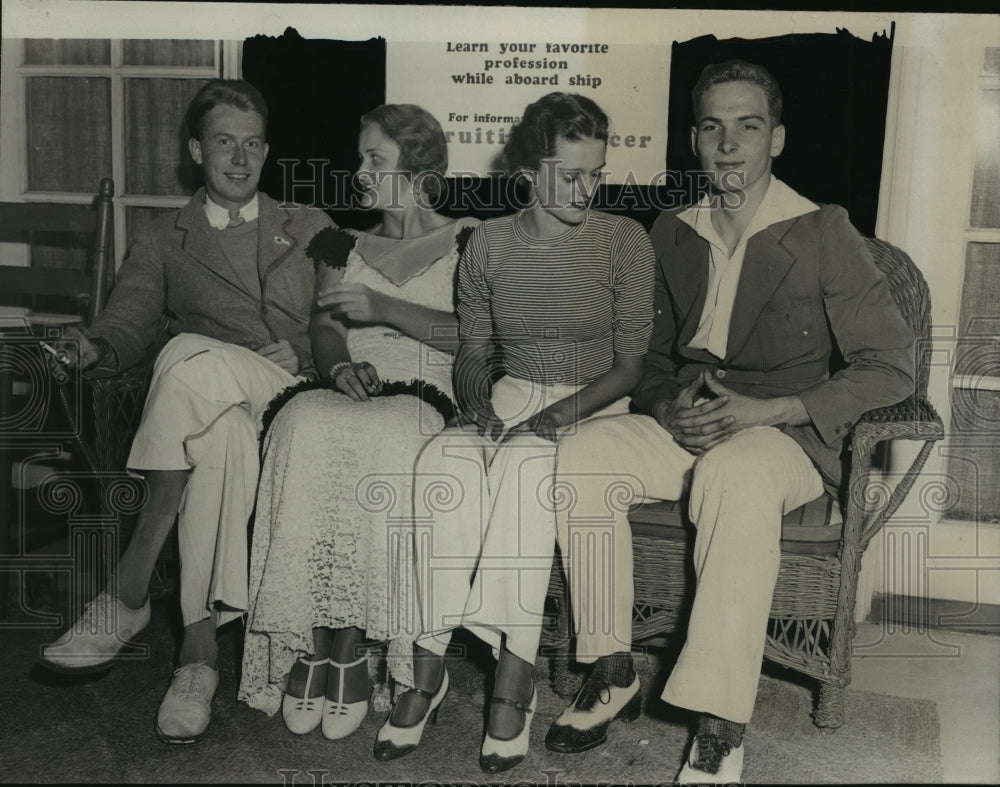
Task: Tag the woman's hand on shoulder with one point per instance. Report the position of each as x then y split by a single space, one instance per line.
355 302
360 381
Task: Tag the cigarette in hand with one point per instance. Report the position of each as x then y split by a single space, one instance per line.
60 356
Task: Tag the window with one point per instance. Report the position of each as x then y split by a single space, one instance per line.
974 451
94 108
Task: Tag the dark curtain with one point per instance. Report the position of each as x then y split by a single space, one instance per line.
835 89
316 91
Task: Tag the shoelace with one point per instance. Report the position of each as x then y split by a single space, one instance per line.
190 685
710 751
97 614
597 688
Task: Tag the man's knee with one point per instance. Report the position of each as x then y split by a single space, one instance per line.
590 444
232 433
200 367
741 462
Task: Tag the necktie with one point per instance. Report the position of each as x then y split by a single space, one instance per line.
235 219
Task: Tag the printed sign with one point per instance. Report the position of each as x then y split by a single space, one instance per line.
478 89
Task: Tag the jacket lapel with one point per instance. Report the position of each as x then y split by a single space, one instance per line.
764 267
200 243
687 278
275 241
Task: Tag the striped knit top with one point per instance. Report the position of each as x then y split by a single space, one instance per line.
560 307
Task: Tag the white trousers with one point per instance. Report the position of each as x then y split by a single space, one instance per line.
485 526
203 414
739 491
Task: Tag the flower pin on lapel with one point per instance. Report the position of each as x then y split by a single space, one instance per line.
282 241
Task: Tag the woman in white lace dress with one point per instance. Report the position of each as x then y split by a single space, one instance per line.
331 555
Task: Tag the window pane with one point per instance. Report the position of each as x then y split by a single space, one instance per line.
985 211
68 133
974 461
159 52
156 157
975 412
138 221
67 52
991 63
981 290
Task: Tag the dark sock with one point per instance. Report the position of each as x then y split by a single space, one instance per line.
616 669
729 731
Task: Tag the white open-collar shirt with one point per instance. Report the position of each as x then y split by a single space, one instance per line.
780 203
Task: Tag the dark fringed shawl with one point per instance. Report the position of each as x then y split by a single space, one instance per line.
331 246
424 391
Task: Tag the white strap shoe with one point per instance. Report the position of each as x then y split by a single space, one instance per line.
303 714
395 741
341 718
502 755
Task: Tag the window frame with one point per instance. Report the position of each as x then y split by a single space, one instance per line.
226 63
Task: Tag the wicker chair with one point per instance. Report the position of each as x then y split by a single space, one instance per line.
811 624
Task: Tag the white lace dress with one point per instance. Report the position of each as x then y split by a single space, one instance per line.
333 528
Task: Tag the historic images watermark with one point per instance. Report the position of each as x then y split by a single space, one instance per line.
315 183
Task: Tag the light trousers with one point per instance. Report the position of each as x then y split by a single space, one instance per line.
203 414
485 526
738 493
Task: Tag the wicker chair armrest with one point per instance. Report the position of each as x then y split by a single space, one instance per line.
869 507
118 401
912 408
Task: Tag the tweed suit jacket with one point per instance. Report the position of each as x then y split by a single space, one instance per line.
177 279
813 317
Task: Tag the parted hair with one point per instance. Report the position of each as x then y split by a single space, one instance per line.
554 116
235 92
739 71
423 148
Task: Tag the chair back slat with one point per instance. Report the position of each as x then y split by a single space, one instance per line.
88 286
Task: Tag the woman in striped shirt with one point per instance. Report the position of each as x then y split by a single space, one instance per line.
565 293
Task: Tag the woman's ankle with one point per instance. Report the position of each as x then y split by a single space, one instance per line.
514 681
428 669
347 645
307 677
356 683
514 678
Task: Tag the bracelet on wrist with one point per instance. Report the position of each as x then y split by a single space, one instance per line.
337 367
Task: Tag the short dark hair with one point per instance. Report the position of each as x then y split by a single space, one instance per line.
555 116
234 92
422 144
739 71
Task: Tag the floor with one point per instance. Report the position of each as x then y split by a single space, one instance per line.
959 672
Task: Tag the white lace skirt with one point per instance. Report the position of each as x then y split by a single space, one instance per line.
332 540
